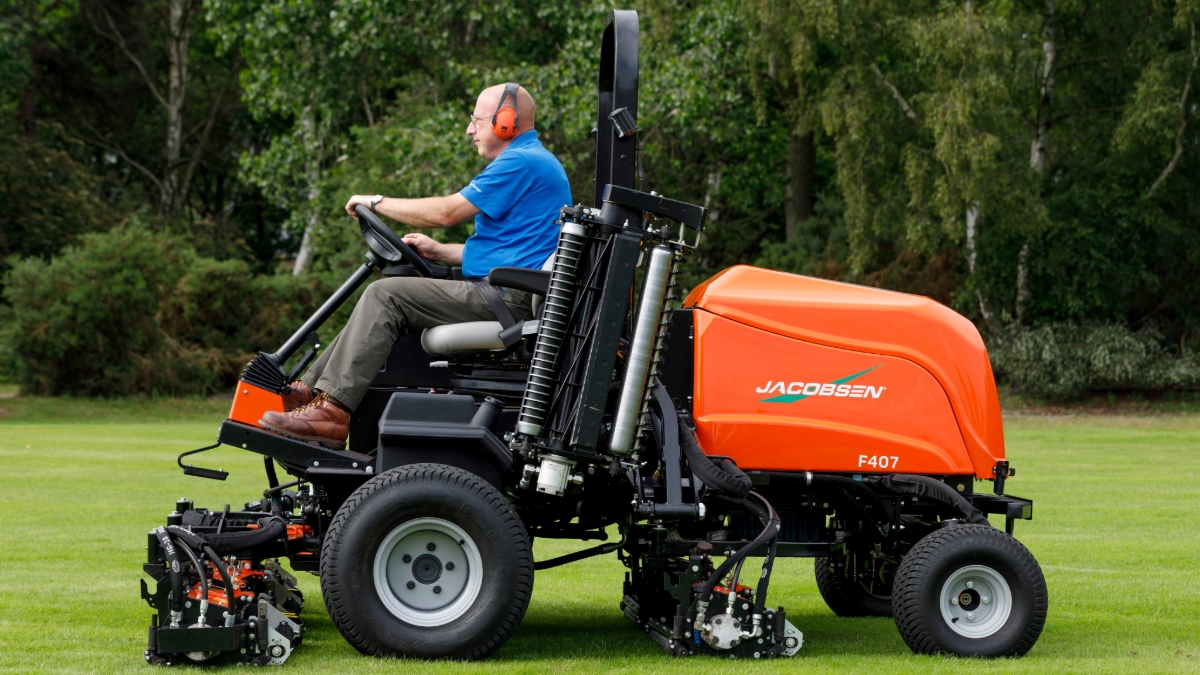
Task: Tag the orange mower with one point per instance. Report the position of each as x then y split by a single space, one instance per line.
764 415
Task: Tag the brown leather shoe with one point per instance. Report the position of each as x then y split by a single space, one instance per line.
323 422
301 396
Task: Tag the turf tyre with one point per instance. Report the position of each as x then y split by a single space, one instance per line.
426 493
845 596
946 555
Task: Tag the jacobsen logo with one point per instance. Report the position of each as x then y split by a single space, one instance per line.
790 392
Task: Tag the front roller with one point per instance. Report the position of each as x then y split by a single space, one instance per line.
427 561
969 590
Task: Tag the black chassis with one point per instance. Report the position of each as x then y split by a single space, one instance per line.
671 524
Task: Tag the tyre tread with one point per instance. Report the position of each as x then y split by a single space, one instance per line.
918 564
337 604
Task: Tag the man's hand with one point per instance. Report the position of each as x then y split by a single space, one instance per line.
365 200
449 254
425 247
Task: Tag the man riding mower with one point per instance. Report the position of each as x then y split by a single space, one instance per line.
764 415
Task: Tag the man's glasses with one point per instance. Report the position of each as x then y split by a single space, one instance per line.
476 120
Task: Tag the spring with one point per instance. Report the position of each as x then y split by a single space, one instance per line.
553 328
664 323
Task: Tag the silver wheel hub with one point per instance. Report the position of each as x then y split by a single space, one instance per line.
428 572
975 601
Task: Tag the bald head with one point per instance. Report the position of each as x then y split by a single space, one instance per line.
480 128
490 98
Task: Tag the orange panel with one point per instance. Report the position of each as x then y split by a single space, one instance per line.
250 402
774 402
870 321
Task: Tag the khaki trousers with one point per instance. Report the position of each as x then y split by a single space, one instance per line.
389 309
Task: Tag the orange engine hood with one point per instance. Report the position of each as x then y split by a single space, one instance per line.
870 321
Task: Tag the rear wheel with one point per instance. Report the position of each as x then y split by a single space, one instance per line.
855 588
427 561
970 590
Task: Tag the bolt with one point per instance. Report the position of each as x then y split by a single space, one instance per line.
411 585
449 565
756 655
407 558
430 546
437 589
745 606
970 616
687 634
954 600
970 584
695 568
985 599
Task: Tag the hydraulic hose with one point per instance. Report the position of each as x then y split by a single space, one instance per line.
932 488
722 475
199 542
760 595
236 541
770 531
164 542
203 578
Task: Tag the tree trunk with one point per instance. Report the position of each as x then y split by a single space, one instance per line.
710 195
802 166
1041 139
1041 136
312 172
972 233
1183 117
27 109
1023 293
179 33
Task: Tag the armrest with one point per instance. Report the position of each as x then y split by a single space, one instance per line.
521 278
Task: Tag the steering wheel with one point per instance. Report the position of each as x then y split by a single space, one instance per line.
385 244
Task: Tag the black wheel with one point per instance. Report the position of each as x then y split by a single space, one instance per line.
854 587
427 561
970 590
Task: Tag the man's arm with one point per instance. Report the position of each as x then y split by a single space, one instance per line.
426 212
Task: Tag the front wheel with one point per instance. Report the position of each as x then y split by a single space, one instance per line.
969 590
426 561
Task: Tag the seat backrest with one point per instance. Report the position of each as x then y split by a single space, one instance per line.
546 267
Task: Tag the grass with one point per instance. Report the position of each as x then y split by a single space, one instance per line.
1117 531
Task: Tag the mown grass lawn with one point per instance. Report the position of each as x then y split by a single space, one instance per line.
1117 531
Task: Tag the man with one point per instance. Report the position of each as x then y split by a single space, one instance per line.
514 201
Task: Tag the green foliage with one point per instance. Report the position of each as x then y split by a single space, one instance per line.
137 311
47 197
1062 360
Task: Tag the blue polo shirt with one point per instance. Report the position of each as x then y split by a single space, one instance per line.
519 196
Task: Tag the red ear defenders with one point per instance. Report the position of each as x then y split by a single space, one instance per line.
505 120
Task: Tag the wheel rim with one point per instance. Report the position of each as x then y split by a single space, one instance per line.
428 572
976 601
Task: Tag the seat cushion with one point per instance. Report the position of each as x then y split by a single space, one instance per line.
470 336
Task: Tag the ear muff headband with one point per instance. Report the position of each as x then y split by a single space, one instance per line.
506 120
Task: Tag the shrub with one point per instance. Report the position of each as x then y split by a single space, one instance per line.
1063 360
135 311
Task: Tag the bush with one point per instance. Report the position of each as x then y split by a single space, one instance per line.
135 311
1063 360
